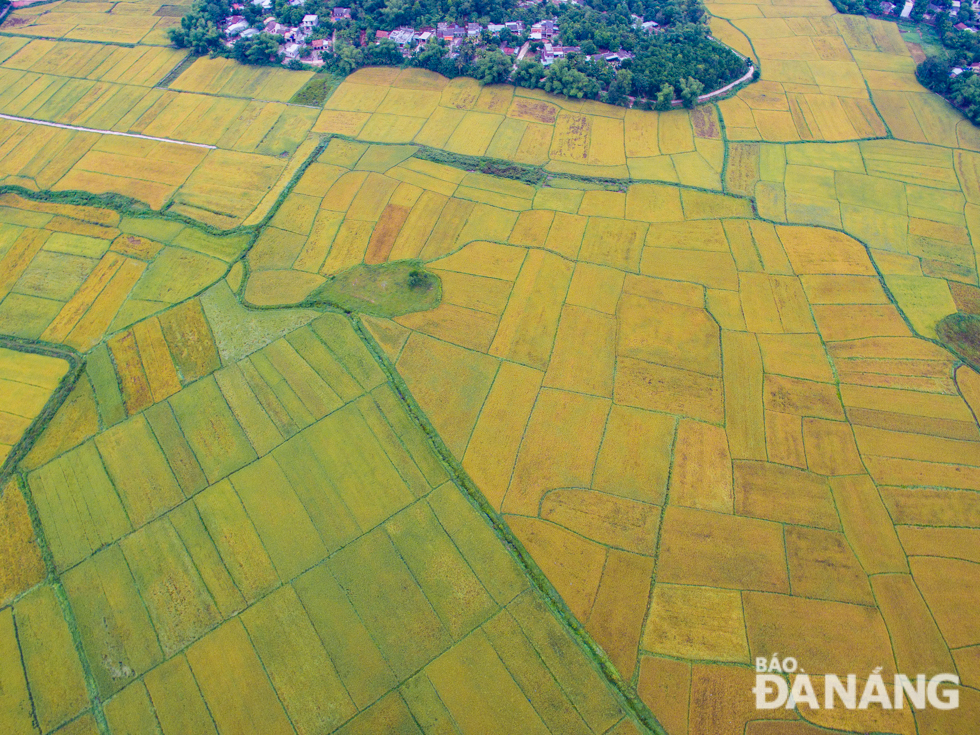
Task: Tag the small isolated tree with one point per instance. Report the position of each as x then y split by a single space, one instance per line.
664 97
691 89
418 280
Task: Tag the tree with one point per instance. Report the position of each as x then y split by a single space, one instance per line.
397 12
966 95
383 53
264 49
664 97
620 89
252 14
492 68
348 57
691 89
528 73
563 78
431 56
943 23
933 73
197 33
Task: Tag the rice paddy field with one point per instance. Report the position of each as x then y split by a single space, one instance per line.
460 409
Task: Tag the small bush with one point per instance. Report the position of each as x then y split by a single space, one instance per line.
419 280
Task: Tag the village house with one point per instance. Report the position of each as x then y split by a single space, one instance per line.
545 30
449 31
551 53
235 25
410 40
273 27
402 36
615 58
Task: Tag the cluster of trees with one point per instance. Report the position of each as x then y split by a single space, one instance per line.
678 62
962 90
686 51
200 28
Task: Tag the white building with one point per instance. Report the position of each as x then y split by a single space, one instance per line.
309 23
402 36
235 28
907 10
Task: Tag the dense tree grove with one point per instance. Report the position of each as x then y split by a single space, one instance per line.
962 90
200 29
678 62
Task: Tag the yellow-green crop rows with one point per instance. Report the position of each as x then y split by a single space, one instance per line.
683 400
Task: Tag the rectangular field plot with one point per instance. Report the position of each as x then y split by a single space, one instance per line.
27 381
142 66
227 78
84 22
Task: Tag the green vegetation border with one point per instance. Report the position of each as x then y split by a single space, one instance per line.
40 422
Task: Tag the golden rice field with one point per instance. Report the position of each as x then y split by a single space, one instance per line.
657 425
135 22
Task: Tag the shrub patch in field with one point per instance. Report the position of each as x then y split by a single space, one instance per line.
961 334
387 289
